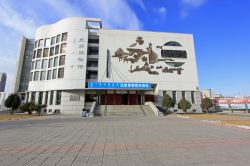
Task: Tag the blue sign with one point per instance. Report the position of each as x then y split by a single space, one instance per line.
119 85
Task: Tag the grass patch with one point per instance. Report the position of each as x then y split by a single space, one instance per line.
15 116
236 122
211 116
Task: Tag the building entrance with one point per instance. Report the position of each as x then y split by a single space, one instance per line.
121 99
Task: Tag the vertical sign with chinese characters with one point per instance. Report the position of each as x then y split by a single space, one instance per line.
76 58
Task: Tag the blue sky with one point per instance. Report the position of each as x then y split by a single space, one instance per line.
221 31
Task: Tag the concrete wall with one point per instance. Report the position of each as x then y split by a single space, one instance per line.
114 39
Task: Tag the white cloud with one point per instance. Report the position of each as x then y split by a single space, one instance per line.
14 20
114 14
162 11
193 3
64 8
187 5
140 3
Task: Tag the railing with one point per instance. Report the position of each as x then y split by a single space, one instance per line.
92 109
153 107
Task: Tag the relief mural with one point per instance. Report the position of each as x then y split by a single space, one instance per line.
136 53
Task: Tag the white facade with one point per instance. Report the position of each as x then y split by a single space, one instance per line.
114 39
69 54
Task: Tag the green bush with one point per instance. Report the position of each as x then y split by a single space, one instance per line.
206 103
167 102
31 106
184 105
13 101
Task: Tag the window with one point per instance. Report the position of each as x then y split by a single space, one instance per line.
38 64
33 96
58 38
45 52
54 74
53 40
58 97
47 42
40 98
172 43
52 51
31 76
63 48
33 65
27 97
57 49
174 96
62 60
43 75
40 43
22 96
92 63
64 36
49 75
93 50
46 98
34 54
93 40
39 53
192 97
183 94
36 44
51 97
74 98
36 76
60 72
55 61
173 54
44 63
50 62
91 74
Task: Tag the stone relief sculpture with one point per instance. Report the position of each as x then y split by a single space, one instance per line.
135 52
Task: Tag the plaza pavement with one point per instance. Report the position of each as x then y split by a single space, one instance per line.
144 141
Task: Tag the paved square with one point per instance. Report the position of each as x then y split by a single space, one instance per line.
72 140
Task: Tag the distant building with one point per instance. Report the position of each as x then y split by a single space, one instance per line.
3 78
232 103
209 93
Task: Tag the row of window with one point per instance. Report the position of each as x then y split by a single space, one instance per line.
173 54
41 96
48 63
183 95
51 74
51 41
50 51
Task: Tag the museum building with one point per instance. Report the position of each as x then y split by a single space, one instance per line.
74 62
